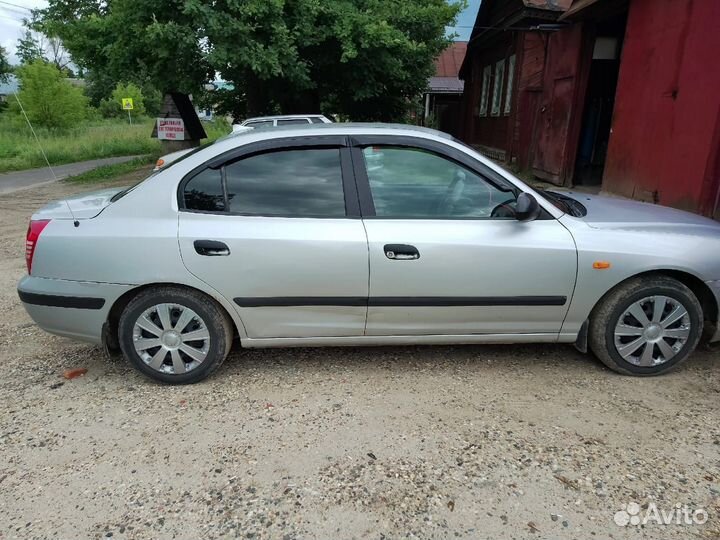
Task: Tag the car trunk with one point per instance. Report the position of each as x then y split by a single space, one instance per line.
81 206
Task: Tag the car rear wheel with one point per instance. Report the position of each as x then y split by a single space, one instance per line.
646 326
175 335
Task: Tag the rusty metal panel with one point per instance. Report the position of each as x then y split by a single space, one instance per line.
561 105
667 100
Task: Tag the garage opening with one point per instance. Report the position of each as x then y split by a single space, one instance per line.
600 100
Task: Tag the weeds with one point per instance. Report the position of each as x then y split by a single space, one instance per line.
93 140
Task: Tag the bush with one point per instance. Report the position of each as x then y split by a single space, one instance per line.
112 107
48 98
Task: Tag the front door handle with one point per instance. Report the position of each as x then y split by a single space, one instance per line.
401 252
211 248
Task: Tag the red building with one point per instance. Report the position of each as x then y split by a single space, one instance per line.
623 93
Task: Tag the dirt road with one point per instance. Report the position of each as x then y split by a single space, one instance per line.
434 442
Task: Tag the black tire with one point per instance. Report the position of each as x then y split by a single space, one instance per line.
607 313
216 319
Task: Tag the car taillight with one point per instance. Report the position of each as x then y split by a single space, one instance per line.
33 233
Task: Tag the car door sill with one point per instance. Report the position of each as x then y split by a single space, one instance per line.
360 341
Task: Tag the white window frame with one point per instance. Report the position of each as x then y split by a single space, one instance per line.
485 92
509 85
498 87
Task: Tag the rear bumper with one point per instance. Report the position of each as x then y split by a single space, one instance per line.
715 287
74 309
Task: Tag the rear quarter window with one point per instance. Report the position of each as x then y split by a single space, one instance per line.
204 192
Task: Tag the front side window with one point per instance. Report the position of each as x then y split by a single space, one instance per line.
297 183
414 183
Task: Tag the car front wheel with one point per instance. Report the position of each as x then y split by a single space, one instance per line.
646 326
175 335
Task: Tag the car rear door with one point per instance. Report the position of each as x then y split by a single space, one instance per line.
275 228
446 254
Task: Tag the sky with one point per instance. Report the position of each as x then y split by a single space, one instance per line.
13 11
465 21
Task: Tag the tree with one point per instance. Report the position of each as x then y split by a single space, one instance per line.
29 48
48 98
34 45
5 67
364 58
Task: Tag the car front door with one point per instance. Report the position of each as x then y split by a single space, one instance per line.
275 228
447 255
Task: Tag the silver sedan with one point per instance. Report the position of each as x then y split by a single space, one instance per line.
352 234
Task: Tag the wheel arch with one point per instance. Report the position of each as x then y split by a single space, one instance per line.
110 327
699 288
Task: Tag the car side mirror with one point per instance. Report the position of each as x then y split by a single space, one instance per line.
527 208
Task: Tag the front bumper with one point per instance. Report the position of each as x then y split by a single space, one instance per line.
74 309
715 287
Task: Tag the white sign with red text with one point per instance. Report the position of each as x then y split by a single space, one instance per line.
170 129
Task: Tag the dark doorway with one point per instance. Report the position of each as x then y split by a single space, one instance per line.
599 101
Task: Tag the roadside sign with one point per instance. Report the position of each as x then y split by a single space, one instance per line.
171 129
127 104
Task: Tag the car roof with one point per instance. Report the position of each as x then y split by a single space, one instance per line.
282 117
336 128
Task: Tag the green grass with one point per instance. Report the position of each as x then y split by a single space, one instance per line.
92 140
111 172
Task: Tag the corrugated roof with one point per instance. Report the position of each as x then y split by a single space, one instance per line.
445 84
449 62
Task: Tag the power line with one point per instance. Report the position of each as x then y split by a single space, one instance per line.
15 5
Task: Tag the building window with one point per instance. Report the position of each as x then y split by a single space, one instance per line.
484 94
509 87
498 87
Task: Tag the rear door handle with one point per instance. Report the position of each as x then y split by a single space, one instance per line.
211 248
401 252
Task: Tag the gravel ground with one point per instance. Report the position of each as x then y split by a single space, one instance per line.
420 442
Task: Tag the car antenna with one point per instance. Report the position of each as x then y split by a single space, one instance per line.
76 223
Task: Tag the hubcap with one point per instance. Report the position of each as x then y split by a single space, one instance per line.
171 338
652 331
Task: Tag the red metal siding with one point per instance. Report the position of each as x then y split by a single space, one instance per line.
564 84
531 65
664 140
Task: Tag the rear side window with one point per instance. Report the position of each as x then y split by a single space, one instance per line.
316 120
291 121
295 183
204 192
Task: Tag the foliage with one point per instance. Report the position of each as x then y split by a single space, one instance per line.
112 107
29 49
90 140
362 58
5 67
48 98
